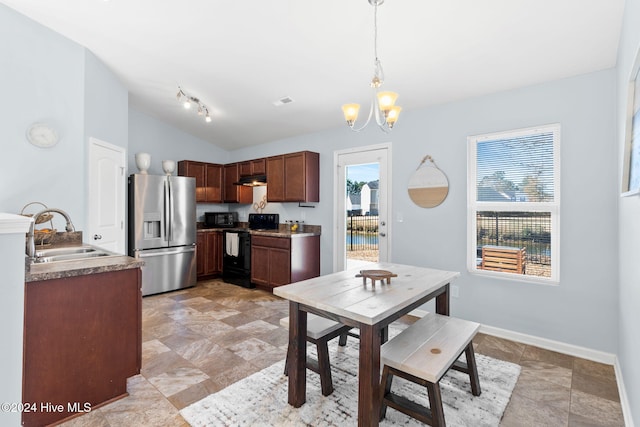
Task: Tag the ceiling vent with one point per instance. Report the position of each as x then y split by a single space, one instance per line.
282 101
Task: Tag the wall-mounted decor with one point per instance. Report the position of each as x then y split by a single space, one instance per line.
631 167
428 185
42 135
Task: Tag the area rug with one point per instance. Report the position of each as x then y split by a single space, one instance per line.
261 399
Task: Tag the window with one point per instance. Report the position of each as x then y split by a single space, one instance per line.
514 204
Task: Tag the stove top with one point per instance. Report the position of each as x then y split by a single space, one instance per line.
264 222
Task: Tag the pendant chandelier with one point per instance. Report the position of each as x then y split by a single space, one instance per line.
383 106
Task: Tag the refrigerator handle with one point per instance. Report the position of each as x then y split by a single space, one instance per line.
167 211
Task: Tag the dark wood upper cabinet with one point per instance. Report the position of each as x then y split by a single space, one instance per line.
294 177
197 170
208 179
235 193
214 188
253 167
275 179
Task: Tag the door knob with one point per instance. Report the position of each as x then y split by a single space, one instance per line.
383 223
383 234
97 236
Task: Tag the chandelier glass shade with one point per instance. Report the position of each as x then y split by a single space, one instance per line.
188 100
383 107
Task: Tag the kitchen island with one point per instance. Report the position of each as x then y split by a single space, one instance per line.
82 335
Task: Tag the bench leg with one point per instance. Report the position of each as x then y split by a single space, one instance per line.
473 370
324 368
342 341
435 403
385 389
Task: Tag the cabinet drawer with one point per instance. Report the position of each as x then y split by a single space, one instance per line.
271 242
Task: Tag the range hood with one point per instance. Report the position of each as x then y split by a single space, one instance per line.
252 181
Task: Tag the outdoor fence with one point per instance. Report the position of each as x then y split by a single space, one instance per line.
362 232
531 230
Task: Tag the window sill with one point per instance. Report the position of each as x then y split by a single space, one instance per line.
513 277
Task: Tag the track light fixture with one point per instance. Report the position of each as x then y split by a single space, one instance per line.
187 100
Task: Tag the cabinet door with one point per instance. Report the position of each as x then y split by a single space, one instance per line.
201 253
302 177
213 192
258 167
279 267
294 177
235 193
245 168
197 170
260 265
214 258
275 179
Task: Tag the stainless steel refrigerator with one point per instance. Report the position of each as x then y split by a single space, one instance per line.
162 230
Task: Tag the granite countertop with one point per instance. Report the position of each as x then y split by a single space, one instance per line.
80 267
282 231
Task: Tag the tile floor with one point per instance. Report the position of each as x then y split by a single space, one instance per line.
200 340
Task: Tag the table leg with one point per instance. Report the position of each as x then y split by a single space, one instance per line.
442 302
369 376
297 355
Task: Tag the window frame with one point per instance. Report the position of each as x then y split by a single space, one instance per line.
474 206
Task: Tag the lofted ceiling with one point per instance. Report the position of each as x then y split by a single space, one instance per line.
238 57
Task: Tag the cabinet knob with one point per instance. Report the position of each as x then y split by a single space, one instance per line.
97 236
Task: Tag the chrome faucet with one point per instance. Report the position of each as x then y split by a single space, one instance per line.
31 250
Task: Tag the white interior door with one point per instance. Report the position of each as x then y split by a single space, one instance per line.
107 196
375 154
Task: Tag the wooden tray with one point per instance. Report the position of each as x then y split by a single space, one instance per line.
374 275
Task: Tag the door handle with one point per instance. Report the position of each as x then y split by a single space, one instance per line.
383 234
383 223
97 236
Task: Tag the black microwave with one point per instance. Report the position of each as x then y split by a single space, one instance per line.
220 219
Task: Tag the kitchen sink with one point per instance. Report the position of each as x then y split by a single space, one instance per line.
71 253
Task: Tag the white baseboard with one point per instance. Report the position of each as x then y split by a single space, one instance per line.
560 347
569 349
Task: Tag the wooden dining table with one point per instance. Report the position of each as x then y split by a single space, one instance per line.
358 302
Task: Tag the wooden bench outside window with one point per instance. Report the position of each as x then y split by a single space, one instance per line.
504 258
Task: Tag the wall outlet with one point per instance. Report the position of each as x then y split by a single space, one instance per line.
454 291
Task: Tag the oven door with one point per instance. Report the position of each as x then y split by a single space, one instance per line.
236 263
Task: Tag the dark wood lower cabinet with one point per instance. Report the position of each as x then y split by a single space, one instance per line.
82 340
277 261
209 253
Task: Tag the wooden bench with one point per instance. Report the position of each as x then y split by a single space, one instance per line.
423 353
504 258
320 331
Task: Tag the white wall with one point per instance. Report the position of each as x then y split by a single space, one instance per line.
582 310
164 142
629 231
43 75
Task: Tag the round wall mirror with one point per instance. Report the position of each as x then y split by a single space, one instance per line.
428 185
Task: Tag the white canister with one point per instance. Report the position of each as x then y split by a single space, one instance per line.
168 166
143 161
